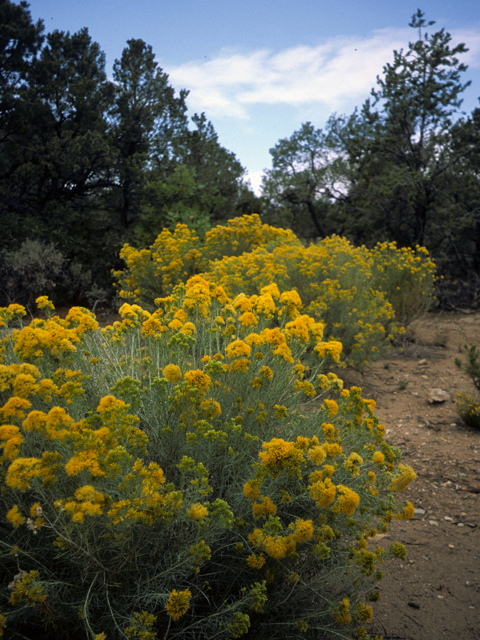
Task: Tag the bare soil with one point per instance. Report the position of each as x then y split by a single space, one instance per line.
435 594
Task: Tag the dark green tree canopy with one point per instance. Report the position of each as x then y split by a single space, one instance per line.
89 163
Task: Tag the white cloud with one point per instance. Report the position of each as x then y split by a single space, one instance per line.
328 75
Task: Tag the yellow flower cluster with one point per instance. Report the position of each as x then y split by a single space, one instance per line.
178 603
123 440
277 546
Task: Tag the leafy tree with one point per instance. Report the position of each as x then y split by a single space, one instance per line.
302 176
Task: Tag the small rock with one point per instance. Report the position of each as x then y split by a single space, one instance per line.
448 519
414 605
419 512
438 395
434 522
451 546
423 363
460 524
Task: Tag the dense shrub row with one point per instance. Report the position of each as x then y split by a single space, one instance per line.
363 296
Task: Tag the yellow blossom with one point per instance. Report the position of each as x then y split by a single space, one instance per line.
247 319
333 348
303 531
378 458
15 517
266 372
279 455
264 509
172 373
401 481
10 441
342 614
198 379
317 455
323 493
197 511
353 463
178 603
332 407
347 502
44 303
255 562
407 512
251 490
237 349
189 329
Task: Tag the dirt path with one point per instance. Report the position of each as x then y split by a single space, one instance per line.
436 593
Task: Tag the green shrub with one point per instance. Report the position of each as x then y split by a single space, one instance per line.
193 473
35 268
468 408
472 366
406 277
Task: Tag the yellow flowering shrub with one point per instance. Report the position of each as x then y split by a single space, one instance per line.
406 276
174 475
361 296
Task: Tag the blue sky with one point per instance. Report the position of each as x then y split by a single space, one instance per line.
260 68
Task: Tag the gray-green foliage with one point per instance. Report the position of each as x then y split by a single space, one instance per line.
30 271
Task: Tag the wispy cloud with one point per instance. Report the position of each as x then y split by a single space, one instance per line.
329 75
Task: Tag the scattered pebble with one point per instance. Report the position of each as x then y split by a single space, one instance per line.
434 522
448 519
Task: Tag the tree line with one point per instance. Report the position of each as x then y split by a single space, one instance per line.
405 167
88 163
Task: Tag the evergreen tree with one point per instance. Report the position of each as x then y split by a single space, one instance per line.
398 150
148 120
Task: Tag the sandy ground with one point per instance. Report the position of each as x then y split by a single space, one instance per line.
435 594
